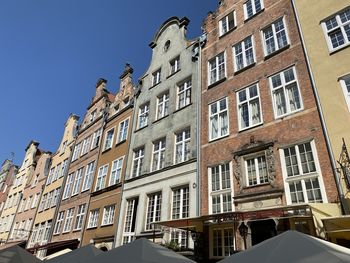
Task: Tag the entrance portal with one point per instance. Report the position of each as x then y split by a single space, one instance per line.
262 230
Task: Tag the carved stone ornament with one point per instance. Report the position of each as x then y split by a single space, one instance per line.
237 171
270 159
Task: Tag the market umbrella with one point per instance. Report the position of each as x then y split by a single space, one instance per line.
292 247
140 251
79 255
16 254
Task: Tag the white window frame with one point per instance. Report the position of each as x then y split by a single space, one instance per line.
185 142
116 171
244 53
86 145
158 154
68 187
67 227
219 116
79 218
137 161
285 92
108 215
215 68
302 176
184 94
55 196
143 116
340 26
108 142
96 137
78 178
76 152
88 177
101 177
225 21
249 103
123 130
276 43
152 214
63 168
130 217
162 105
222 242
156 77
256 166
93 218
221 191
183 193
252 2
343 81
174 65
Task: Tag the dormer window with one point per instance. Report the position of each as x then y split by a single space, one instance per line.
126 101
116 108
227 23
93 115
155 77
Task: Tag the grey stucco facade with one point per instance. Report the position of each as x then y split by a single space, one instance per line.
162 159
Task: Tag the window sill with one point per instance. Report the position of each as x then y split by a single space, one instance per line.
139 129
172 74
155 85
255 186
250 127
119 143
244 68
106 150
335 50
276 52
91 228
107 225
76 230
216 83
218 138
228 32
157 120
288 114
84 154
251 17
179 109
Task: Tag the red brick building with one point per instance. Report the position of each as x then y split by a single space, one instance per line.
263 153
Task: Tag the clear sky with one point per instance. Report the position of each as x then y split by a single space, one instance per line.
53 51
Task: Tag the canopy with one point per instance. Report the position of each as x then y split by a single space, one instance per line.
16 254
292 247
140 251
80 255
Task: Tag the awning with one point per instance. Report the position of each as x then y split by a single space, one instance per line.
337 226
57 244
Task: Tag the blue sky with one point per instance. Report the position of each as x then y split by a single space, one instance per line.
53 51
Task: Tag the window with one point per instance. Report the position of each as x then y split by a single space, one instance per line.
251 7
174 65
182 146
130 220
163 105
49 200
143 115
116 171
123 131
57 171
244 53
275 37
301 174
220 189
63 168
89 172
285 93
101 177
256 170
69 185
337 30
153 210
108 215
181 201
36 200
223 242
93 116
64 146
138 162
80 217
179 237
218 119
184 94
156 77
76 151
69 219
249 107
55 196
93 218
77 181
217 68
50 176
109 139
35 181
158 161
96 138
345 84
126 101
227 23
86 145
28 203
43 203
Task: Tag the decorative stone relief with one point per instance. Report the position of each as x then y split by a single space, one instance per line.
237 171
270 159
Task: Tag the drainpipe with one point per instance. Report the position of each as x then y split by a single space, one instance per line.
345 208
